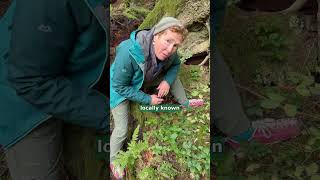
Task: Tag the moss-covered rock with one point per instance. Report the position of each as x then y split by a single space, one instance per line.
242 39
162 8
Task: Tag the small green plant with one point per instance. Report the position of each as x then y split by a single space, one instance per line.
128 158
167 171
148 173
256 151
271 42
288 95
177 144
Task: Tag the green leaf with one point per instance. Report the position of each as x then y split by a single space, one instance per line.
291 110
252 167
314 131
315 90
269 104
311 141
315 177
294 77
195 93
298 171
174 136
312 169
276 97
198 166
307 80
255 110
226 163
308 148
302 90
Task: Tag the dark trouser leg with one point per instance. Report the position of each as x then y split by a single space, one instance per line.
38 155
228 114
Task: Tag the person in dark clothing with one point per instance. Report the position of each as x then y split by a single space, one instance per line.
52 53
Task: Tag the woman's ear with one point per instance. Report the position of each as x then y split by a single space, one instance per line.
155 38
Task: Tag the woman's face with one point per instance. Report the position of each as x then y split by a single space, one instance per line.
166 44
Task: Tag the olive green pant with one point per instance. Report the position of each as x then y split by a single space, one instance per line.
56 151
121 114
228 115
38 156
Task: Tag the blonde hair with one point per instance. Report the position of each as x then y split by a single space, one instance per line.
176 29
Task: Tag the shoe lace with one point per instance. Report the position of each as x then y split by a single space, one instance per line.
265 125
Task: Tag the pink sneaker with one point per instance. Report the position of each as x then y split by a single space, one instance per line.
195 102
117 171
270 131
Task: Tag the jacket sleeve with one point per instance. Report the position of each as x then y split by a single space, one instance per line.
122 77
217 14
172 72
43 36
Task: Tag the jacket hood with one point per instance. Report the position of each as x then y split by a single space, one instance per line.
136 51
145 38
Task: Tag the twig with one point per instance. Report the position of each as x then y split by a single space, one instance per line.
187 90
310 115
315 103
204 61
119 23
310 154
251 91
308 55
263 97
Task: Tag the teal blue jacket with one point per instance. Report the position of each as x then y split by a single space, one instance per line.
128 71
217 14
51 54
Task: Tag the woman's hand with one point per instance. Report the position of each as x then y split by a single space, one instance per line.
155 100
163 88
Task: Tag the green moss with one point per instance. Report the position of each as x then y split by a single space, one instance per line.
162 8
241 47
135 12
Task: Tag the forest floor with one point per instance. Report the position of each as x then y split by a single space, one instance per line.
273 61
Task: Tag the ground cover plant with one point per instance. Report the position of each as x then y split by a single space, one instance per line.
281 80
